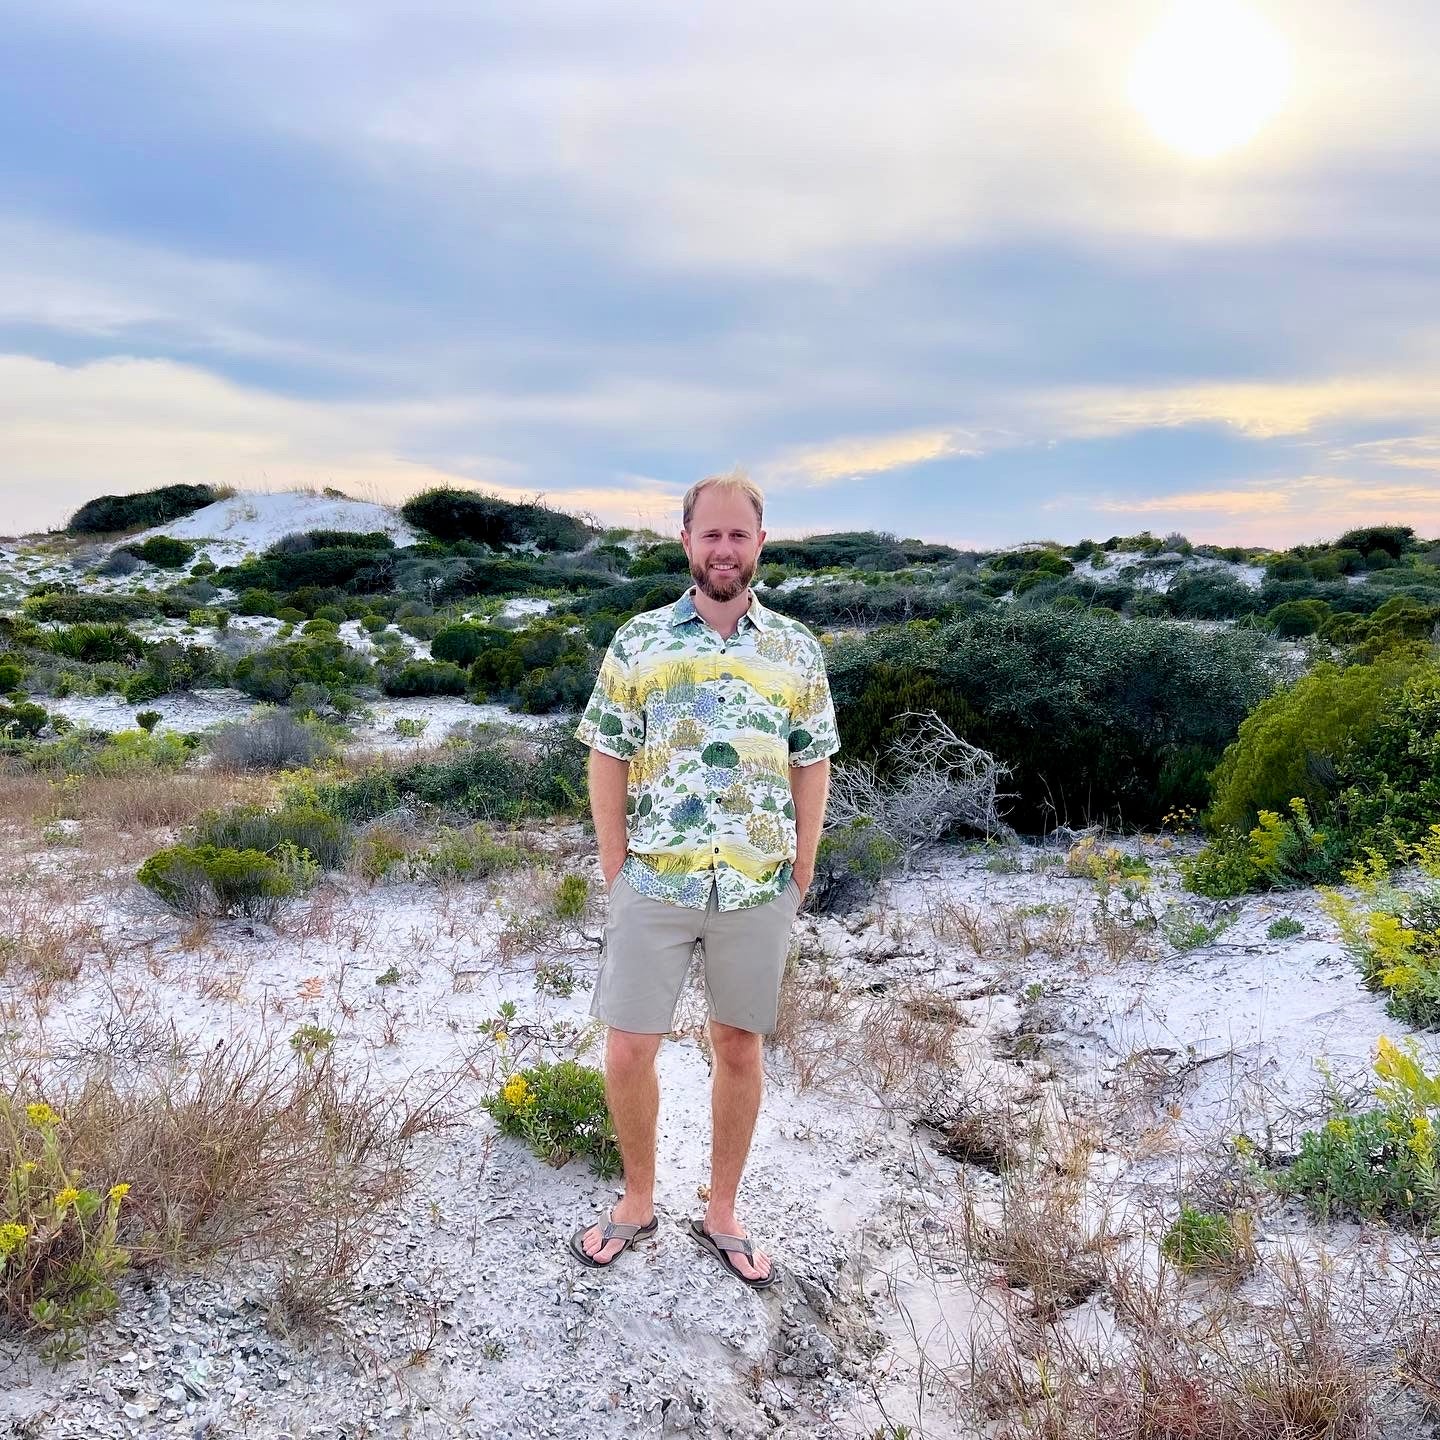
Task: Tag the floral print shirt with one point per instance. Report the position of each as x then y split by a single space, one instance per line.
711 728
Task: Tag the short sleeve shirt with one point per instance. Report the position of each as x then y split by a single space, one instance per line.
711 728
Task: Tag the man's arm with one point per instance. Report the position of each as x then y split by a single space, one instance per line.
809 788
608 781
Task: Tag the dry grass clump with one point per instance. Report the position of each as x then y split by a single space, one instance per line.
1289 1370
258 1147
157 799
1016 932
25 798
44 941
980 1127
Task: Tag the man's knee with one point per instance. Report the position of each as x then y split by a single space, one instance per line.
734 1048
629 1053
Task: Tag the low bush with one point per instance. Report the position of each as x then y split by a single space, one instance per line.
22 721
464 643
559 1111
275 672
163 551
208 882
850 862
1281 852
1207 1240
1380 1162
274 740
451 514
171 667
306 829
421 677
90 609
149 507
471 854
94 644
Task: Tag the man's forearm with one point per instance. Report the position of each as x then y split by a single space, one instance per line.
809 788
609 780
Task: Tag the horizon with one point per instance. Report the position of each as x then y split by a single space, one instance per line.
972 277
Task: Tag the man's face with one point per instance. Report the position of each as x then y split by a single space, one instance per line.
723 543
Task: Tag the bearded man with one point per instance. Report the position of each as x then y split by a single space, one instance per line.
710 731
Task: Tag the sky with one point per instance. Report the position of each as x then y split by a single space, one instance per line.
932 268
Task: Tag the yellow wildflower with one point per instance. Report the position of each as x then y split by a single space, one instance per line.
501 1036
67 1197
120 1191
12 1237
41 1114
517 1092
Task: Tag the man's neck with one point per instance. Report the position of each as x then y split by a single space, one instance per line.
722 615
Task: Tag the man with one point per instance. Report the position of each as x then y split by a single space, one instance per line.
710 729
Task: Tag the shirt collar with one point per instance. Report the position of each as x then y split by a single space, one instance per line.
684 609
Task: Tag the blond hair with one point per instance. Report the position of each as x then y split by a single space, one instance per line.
736 482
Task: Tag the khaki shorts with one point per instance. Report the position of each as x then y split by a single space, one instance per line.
649 946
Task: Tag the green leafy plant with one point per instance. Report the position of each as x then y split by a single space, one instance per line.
208 881
147 720
1186 931
469 854
1201 1239
390 976
310 1042
559 1111
1285 928
572 897
59 1252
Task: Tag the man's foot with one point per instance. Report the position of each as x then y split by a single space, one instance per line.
753 1266
600 1251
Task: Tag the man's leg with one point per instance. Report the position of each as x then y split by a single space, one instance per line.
735 1091
633 1094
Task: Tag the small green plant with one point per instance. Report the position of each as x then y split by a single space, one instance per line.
378 853
469 855
494 1349
1003 864
1201 1239
559 1111
59 1253
147 720
1105 864
310 1042
572 897
1285 928
410 729
1186 931
390 976
555 977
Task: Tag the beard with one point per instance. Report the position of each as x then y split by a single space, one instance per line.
721 588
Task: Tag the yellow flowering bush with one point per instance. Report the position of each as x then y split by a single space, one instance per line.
559 1111
59 1252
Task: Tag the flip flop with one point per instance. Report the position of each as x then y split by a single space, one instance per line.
720 1246
614 1230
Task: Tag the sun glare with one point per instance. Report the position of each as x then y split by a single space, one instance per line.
1210 76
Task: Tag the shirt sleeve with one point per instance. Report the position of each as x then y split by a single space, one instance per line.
614 720
813 731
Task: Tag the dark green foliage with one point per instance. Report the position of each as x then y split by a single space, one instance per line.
94 644
559 687
1298 617
170 667
850 862
667 558
22 721
147 720
633 597
861 549
463 644
486 519
827 606
150 507
335 569
90 609
12 674
164 551
205 881
274 673
299 541
257 602
307 828
1201 1239
1090 710
1392 540
421 677
542 775
1363 1165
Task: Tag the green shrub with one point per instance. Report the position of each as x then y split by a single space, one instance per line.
95 644
1202 1240
1291 743
12 674
307 829
1281 852
164 552
22 721
421 677
257 602
147 720
463 644
150 507
559 1111
666 558
1184 930
572 898
373 623
1298 617
468 515
171 667
1089 710
1389 775
471 854
207 881
1285 928
83 609
1379 1162
59 1252
274 740
850 862
275 672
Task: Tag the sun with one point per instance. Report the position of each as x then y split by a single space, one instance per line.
1210 76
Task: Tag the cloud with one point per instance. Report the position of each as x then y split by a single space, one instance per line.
71 432
854 458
